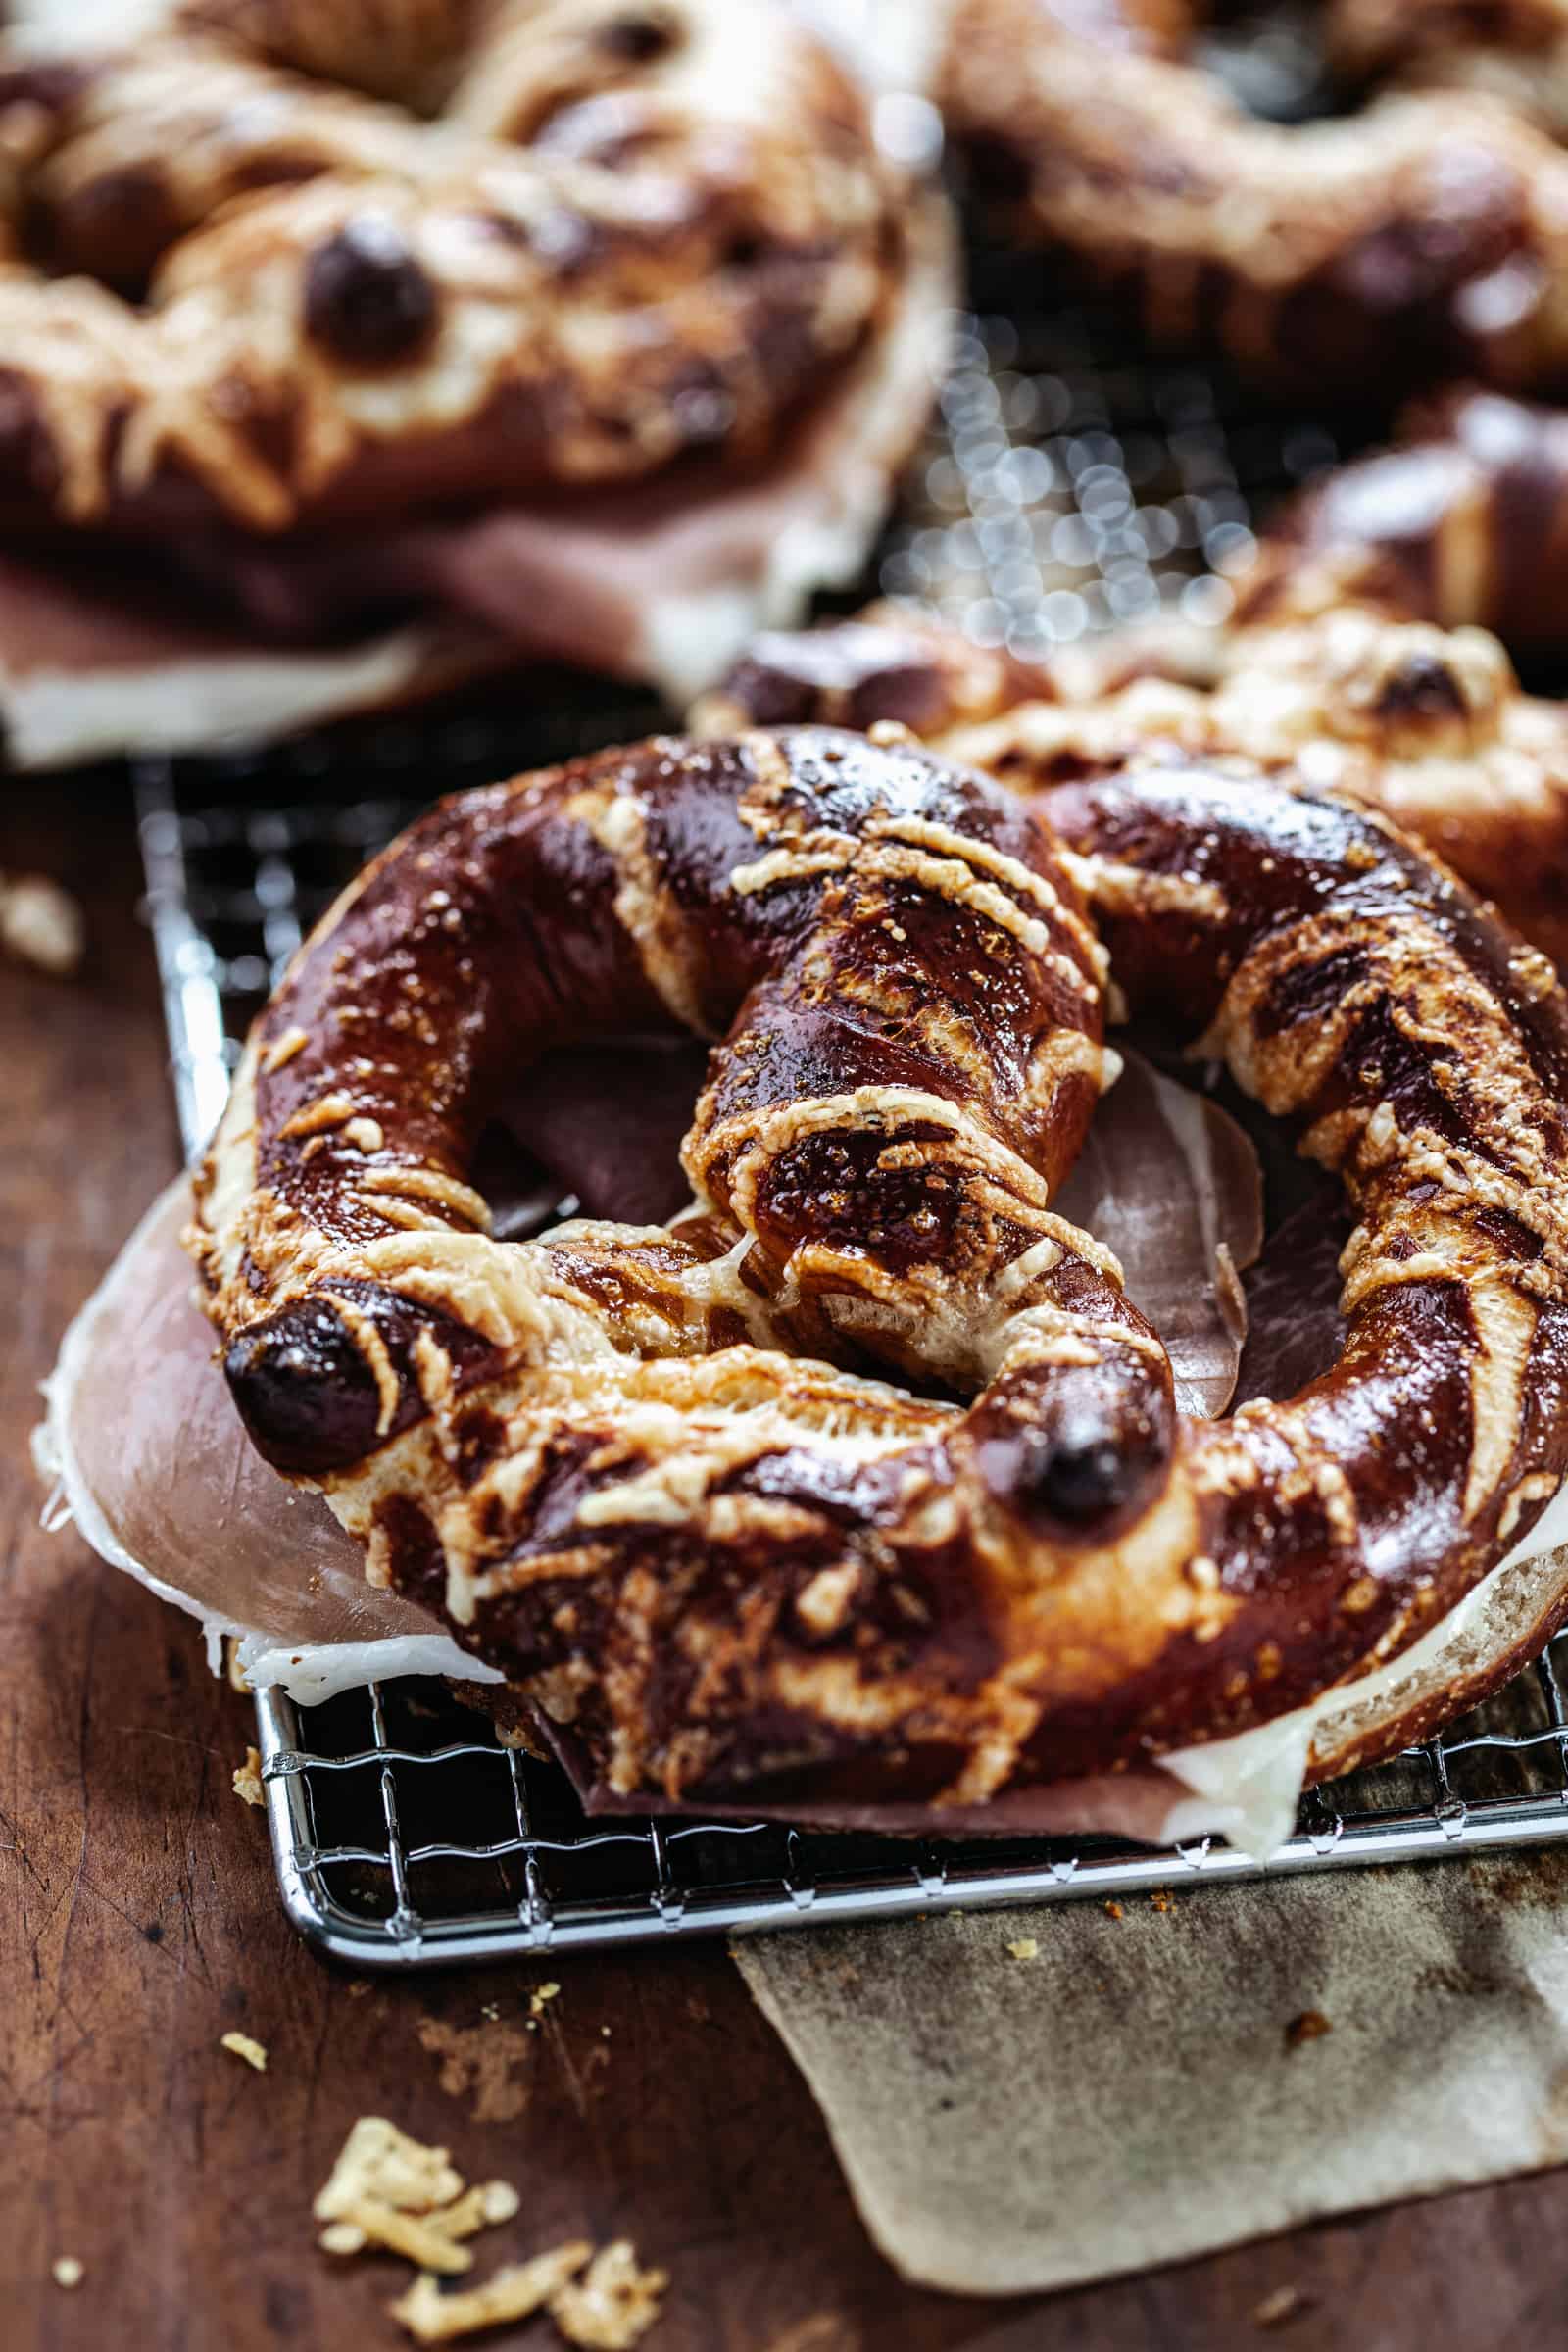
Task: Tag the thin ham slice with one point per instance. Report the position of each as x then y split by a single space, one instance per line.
1170 1181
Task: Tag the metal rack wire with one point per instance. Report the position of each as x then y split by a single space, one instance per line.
1068 486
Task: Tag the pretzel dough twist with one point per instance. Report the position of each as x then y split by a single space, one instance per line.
646 1471
1463 523
1329 669
633 231
1423 236
1511 49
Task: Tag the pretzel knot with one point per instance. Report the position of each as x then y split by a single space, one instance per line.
660 1475
590 237
1418 236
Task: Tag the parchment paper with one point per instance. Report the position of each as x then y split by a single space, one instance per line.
1133 2094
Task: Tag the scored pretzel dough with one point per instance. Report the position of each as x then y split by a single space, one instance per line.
647 1472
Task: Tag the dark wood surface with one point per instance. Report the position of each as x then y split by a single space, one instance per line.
138 1923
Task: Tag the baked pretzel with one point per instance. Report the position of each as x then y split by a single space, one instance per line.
1426 235
647 1472
1320 672
1464 523
1511 49
633 231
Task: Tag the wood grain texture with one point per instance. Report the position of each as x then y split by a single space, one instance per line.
138 1924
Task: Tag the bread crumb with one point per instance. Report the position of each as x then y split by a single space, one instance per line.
1311 2025
614 2304
1285 2303
247 1778
418 2238
41 924
1113 1910
540 1995
342 2238
1024 1947
379 2162
513 2292
254 2053
66 2270
370 2223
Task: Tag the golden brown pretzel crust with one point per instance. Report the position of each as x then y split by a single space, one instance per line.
633 232
1465 523
1424 237
729 1567
1327 669
1511 49
409 52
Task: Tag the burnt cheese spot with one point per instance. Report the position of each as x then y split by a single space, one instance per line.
1422 687
368 298
638 38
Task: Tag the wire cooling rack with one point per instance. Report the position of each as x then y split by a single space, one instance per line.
1068 486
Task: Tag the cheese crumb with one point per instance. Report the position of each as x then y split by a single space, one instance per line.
283 1048
541 1995
1113 1910
614 2304
68 2270
379 2162
513 2292
41 924
247 1778
1282 2305
1024 1947
426 2239
253 2052
368 2222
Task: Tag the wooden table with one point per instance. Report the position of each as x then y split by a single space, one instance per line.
138 1923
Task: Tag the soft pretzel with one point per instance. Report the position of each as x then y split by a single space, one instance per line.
633 231
1511 49
1465 523
647 1471
1427 725
1427 235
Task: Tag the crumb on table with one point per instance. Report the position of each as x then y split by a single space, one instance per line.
514 2293
614 2304
1311 2025
1284 2304
41 924
247 1778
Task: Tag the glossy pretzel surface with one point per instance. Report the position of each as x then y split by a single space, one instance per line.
660 1475
235 289
1420 236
